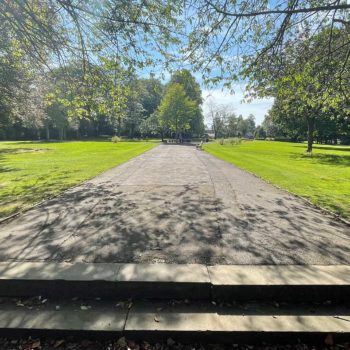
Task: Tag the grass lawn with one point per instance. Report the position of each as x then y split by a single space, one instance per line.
323 178
32 171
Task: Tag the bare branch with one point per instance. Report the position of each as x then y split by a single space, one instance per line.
289 11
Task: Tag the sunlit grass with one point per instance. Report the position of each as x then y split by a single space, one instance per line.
32 171
323 178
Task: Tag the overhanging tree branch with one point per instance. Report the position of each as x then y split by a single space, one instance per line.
283 11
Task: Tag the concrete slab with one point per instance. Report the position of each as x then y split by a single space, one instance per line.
194 322
265 275
176 204
53 320
171 319
102 316
186 273
249 318
47 271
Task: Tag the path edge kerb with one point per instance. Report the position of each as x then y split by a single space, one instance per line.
174 281
326 211
37 204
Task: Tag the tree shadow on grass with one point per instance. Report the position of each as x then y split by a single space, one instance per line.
45 142
326 159
328 148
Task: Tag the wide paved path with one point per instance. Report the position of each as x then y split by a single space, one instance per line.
176 204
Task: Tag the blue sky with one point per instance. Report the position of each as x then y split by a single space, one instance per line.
258 107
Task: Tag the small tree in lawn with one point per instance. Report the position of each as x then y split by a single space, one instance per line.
176 110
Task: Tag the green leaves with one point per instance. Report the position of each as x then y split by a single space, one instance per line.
176 109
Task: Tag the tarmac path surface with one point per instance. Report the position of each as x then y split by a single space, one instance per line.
176 204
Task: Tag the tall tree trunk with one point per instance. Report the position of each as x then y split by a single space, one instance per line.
119 126
47 132
60 133
310 133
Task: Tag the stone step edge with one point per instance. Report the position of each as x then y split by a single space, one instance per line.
133 323
218 275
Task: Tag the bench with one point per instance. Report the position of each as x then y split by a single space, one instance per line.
199 145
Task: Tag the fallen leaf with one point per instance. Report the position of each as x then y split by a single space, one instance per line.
170 342
36 344
121 343
131 344
58 343
156 319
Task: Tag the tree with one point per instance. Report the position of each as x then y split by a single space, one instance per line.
133 30
150 126
250 124
242 126
307 84
259 132
219 125
193 92
34 116
150 92
134 114
231 126
176 110
227 37
93 44
112 92
58 118
270 126
217 113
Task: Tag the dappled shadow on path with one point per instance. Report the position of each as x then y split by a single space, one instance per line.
201 211
180 225
103 223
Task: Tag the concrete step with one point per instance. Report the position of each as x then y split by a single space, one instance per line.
171 281
280 282
106 280
180 320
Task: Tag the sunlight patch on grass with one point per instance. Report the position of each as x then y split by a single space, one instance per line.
33 171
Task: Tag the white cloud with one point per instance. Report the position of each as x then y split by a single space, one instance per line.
258 107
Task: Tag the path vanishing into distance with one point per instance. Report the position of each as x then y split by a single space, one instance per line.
176 204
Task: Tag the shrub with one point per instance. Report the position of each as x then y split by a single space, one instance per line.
115 139
234 140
